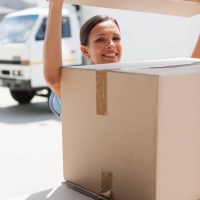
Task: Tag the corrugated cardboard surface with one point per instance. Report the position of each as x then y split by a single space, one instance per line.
148 140
178 141
121 142
168 7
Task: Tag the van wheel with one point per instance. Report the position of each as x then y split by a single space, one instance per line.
22 96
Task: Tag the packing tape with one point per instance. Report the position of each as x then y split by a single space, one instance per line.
101 92
106 184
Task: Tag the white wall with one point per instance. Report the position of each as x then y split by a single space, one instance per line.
152 36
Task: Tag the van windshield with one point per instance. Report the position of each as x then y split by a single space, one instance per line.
16 29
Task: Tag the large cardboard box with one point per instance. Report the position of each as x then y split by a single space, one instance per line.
168 7
135 132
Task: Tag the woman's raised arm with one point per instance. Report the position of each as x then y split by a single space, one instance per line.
53 47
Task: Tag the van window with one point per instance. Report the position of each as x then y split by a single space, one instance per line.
66 29
16 29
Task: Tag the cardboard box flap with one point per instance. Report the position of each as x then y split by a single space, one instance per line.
147 64
168 7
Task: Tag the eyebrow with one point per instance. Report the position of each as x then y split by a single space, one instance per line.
102 34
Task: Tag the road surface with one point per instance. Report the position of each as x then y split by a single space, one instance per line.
30 147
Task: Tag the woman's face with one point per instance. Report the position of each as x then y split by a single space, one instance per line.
104 44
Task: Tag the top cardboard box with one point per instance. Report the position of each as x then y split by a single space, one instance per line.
168 7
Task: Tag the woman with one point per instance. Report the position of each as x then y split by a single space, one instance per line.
100 42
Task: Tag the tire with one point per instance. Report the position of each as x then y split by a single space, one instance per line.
22 96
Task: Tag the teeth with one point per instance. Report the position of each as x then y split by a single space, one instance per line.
110 54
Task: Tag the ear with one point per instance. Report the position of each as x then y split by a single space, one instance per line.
84 50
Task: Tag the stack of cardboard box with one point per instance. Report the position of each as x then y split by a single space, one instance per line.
133 132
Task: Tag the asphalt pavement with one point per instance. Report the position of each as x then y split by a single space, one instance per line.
30 147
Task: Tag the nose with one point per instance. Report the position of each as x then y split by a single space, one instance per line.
111 44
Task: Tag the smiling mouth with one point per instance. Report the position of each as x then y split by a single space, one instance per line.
110 55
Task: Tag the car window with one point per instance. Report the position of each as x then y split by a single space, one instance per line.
66 29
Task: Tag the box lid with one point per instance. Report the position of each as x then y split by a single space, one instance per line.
168 7
161 67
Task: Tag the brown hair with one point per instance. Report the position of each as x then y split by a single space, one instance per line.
90 24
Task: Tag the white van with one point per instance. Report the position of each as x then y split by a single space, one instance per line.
21 50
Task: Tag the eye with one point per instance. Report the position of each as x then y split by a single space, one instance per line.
101 39
116 39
